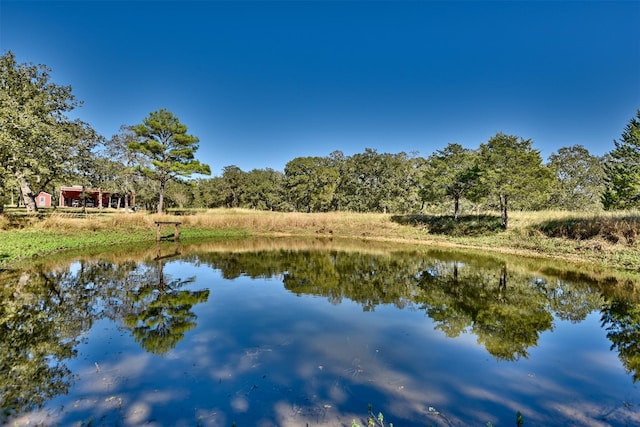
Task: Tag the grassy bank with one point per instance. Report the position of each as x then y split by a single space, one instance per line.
609 240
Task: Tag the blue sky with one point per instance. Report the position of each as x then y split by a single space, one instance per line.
261 83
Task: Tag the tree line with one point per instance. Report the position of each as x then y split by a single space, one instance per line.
41 149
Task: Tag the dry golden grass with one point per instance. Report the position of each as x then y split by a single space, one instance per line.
344 223
611 227
64 222
257 222
614 227
532 218
4 222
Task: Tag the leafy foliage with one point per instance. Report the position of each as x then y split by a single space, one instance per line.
450 172
513 173
373 182
622 169
38 142
579 179
311 183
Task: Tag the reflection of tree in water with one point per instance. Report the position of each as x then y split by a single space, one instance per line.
503 310
569 302
42 316
368 279
621 319
159 312
506 309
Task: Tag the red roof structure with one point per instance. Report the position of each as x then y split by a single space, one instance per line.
93 197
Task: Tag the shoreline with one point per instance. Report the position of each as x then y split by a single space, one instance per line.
60 232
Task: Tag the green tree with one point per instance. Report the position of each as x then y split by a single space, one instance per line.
264 189
450 172
125 181
207 193
38 142
400 182
361 182
579 179
178 194
513 173
311 183
337 160
233 185
374 182
169 148
622 169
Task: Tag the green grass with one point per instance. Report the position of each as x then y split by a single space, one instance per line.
27 243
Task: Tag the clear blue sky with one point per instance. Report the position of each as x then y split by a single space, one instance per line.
261 83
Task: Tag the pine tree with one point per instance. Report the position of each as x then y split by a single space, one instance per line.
170 150
622 170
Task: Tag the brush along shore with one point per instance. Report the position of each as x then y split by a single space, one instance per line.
608 240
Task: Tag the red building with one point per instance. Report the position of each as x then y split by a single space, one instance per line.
43 200
94 197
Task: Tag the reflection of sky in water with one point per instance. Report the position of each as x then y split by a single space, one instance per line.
262 355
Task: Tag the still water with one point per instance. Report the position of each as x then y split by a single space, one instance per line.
258 333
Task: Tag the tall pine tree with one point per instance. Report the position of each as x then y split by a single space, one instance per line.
170 150
622 170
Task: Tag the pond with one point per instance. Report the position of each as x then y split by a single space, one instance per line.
318 333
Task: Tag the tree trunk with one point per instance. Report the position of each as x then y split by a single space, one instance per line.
456 208
503 209
28 197
161 197
127 194
502 285
2 197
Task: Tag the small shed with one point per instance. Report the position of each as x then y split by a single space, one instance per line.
43 200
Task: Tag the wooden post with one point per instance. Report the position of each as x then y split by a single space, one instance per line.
176 232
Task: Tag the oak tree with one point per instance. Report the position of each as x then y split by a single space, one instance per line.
579 179
513 173
450 173
38 142
310 183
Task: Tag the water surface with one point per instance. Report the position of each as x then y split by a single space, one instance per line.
314 334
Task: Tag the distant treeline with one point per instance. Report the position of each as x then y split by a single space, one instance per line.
41 149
